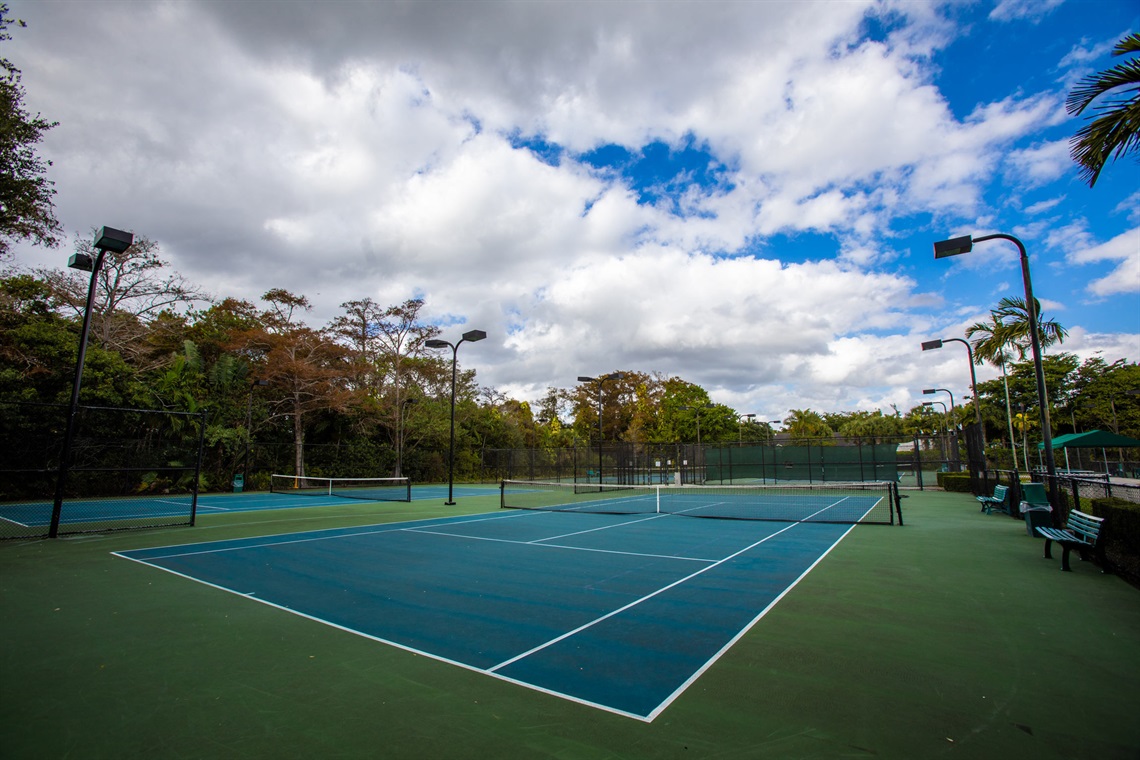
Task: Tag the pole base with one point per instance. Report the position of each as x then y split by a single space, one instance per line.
449 503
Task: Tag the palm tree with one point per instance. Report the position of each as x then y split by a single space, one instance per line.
805 425
1007 333
1014 326
989 347
1117 129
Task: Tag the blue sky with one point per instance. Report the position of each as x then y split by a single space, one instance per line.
744 195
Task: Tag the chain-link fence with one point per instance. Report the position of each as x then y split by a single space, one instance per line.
127 468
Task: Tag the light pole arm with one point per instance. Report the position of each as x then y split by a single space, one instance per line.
973 376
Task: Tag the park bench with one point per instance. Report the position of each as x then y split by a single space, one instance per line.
999 501
1081 532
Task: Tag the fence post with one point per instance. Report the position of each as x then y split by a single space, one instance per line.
918 463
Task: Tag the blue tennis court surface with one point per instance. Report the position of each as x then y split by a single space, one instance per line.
38 513
617 612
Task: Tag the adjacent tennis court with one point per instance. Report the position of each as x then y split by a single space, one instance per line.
620 612
32 514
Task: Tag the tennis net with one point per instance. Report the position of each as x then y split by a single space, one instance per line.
366 489
873 502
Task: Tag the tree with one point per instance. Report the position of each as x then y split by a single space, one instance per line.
1012 318
304 367
806 426
1117 129
874 425
26 207
1006 335
131 291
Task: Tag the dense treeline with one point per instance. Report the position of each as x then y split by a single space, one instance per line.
366 387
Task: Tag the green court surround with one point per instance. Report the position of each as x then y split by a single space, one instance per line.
943 638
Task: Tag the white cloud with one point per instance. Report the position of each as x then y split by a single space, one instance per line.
365 152
1124 249
1011 10
1041 163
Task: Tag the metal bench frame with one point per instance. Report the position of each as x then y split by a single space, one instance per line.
1081 532
999 502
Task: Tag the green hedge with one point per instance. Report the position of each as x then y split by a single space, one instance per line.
1121 535
958 482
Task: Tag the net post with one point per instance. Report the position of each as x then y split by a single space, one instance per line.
503 493
898 500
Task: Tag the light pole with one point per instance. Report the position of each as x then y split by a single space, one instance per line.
965 244
400 419
768 431
945 448
106 239
932 344
600 380
468 337
249 429
698 409
740 428
949 419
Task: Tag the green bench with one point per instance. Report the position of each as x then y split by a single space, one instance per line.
1081 532
998 502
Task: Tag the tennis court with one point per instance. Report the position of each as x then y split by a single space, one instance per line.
35 514
619 612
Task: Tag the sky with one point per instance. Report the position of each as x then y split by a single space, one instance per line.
741 194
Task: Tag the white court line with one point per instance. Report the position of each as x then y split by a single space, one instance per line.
636 602
252 596
554 546
268 541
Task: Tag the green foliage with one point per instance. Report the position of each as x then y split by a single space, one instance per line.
1121 534
806 426
1115 131
954 481
26 208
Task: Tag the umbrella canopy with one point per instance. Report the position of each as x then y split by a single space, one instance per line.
1093 439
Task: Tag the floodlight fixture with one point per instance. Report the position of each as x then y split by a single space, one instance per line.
953 246
81 261
111 239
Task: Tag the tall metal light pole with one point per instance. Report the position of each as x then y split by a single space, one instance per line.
740 428
932 344
400 420
249 429
106 239
600 380
949 419
698 409
943 436
965 244
468 337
